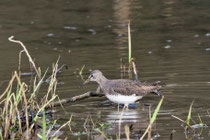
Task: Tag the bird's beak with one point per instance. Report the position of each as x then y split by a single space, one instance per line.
86 81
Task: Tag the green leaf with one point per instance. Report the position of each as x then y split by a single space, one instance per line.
40 136
129 43
43 127
12 129
37 86
1 135
199 118
189 114
156 111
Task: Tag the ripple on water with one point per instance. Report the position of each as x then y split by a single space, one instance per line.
70 27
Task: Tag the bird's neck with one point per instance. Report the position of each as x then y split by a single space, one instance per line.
102 80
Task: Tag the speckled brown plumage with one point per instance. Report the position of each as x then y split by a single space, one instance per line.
124 86
129 87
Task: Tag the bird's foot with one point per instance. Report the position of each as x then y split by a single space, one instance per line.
130 105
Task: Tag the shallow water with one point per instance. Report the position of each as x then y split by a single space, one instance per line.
170 41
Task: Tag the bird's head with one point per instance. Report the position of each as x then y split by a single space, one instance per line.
95 75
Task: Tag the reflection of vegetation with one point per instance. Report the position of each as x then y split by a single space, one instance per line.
102 128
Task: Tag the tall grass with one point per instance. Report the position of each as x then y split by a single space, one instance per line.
21 112
17 112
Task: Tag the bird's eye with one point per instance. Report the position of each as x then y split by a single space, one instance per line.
91 76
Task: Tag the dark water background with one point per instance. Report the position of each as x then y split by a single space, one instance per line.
170 41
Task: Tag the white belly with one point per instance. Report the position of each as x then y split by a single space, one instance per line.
123 99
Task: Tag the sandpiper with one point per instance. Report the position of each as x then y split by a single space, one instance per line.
123 91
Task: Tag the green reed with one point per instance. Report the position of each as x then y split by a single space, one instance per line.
129 44
154 116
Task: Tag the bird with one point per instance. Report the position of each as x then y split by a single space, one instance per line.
123 91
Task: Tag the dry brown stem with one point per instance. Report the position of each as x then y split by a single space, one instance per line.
27 53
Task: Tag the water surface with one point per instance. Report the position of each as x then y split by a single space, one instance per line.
170 41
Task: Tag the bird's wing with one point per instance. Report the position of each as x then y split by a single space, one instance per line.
129 87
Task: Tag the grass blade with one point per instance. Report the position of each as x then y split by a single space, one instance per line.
153 118
37 86
80 72
1 136
129 43
43 127
156 111
189 114
199 118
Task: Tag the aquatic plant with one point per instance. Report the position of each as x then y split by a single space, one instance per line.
192 130
21 112
154 116
131 61
81 70
189 115
129 43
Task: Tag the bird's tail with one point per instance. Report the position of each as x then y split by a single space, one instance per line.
158 84
157 93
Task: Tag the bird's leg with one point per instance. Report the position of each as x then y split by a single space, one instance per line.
118 107
126 106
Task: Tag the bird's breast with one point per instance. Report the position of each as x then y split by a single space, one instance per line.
123 99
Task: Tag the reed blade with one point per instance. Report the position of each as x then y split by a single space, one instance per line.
154 116
129 43
189 114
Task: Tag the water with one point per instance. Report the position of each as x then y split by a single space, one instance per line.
170 41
